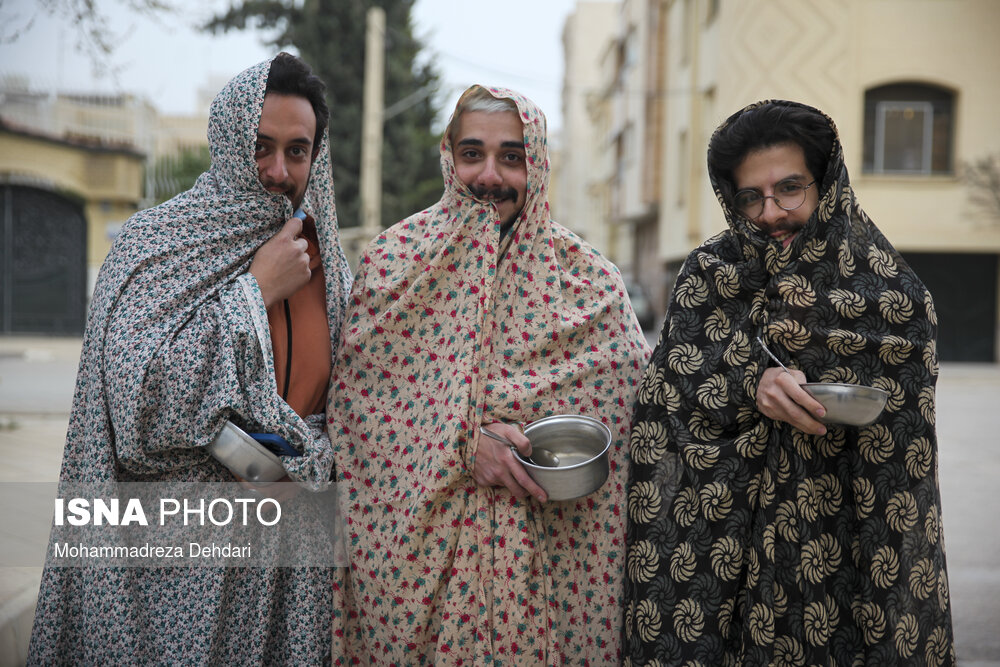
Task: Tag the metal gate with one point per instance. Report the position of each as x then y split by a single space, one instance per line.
43 270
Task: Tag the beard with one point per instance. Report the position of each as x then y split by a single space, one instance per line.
497 195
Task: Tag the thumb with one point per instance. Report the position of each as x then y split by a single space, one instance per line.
292 228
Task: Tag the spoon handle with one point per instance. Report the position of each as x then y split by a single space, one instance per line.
499 438
770 354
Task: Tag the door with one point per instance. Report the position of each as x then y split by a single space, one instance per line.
43 271
964 287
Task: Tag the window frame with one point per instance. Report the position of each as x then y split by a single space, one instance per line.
882 108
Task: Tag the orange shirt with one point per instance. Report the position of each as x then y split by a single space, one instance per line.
302 370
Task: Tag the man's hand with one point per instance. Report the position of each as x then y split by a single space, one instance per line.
281 266
780 397
496 465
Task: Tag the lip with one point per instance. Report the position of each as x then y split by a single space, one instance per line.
784 237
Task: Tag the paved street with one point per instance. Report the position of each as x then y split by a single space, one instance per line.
36 381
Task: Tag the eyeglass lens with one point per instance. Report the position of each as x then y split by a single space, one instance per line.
788 196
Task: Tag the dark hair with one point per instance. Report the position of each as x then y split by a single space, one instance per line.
290 75
769 125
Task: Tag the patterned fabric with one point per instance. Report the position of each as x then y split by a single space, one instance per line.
176 343
751 542
444 333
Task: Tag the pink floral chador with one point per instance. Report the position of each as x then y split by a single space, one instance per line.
448 329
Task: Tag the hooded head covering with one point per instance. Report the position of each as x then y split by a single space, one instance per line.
448 330
751 541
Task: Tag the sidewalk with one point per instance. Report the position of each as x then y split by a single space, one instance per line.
36 385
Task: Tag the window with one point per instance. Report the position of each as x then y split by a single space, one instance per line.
908 129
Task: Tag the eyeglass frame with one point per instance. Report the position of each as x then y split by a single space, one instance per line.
764 197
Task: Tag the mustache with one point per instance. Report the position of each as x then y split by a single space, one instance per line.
284 185
494 194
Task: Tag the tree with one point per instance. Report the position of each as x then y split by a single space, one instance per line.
330 36
983 179
93 35
173 174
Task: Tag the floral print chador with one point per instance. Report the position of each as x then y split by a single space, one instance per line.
751 542
448 329
177 342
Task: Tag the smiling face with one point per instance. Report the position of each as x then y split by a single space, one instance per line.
488 148
284 148
765 171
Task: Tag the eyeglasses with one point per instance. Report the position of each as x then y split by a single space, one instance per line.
788 195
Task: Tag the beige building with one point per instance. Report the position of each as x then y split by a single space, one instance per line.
63 200
590 24
73 168
912 85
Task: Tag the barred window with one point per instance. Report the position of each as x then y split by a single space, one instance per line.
908 129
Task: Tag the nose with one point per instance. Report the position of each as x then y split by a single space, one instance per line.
489 176
273 169
772 214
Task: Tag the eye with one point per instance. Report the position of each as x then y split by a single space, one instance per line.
297 151
469 154
513 157
747 198
258 148
788 188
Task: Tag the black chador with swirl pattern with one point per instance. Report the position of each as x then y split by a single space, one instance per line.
751 542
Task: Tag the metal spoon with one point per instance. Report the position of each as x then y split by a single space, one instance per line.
545 458
770 354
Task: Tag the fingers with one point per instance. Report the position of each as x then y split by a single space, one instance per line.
497 465
525 482
292 228
514 433
282 265
780 397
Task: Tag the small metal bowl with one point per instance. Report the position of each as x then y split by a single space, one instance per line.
244 456
579 444
849 404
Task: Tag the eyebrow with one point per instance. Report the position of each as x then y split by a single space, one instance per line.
306 141
479 142
790 177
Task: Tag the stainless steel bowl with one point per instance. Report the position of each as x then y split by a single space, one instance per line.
244 456
850 404
580 447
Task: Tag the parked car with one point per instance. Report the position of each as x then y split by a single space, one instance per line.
641 304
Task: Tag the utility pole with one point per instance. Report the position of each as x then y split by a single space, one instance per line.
371 126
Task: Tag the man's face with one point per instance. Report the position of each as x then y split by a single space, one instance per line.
489 159
770 171
284 149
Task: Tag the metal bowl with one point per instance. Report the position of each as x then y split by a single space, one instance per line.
850 404
579 446
244 456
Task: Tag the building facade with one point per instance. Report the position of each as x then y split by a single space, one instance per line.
61 202
575 194
73 168
912 86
